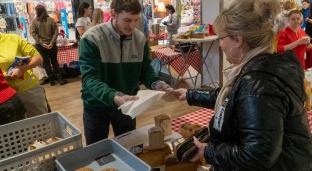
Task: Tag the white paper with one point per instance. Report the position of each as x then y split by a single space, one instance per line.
147 98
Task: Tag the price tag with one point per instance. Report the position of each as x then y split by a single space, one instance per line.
137 149
105 159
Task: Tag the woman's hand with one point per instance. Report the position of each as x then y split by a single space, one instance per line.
201 150
180 93
50 46
15 73
45 46
304 40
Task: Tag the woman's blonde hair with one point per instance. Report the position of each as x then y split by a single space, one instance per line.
251 19
97 17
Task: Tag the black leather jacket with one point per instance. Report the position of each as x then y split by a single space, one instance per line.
264 125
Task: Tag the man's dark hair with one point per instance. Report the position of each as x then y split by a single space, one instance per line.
170 7
132 6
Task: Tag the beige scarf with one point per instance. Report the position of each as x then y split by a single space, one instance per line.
233 70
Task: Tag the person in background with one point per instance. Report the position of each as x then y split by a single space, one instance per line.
83 21
308 30
173 22
28 88
11 106
143 25
305 12
97 17
45 32
113 59
294 38
281 20
260 123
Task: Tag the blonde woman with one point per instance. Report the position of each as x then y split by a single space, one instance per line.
97 17
260 123
281 20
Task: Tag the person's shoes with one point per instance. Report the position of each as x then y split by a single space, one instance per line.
51 80
61 80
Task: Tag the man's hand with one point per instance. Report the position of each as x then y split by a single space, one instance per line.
15 73
120 100
161 86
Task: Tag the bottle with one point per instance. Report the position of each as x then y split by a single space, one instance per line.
206 29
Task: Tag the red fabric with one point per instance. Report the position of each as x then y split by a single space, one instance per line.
6 92
308 60
106 15
288 36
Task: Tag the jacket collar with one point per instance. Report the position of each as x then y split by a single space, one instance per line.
113 32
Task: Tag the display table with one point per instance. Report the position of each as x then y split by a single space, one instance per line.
67 54
140 136
203 116
178 63
195 43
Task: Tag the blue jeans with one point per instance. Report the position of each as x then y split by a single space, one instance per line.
96 124
12 110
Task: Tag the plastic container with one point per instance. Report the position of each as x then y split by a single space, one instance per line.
15 138
86 157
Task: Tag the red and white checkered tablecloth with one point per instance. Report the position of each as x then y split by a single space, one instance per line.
203 116
67 54
194 60
160 36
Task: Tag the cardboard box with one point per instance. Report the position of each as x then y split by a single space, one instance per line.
152 43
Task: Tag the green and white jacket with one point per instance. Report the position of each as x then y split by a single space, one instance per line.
108 65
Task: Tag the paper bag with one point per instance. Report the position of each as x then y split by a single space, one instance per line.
147 98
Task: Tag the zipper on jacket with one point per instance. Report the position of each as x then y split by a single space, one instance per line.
121 45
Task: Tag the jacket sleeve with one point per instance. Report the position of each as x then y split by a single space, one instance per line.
259 119
202 97
90 67
148 75
282 40
35 33
56 32
175 22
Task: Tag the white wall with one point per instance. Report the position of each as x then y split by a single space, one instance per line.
210 10
225 63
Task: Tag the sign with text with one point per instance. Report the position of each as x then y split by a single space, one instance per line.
64 22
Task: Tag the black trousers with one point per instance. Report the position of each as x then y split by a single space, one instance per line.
12 110
49 57
96 124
